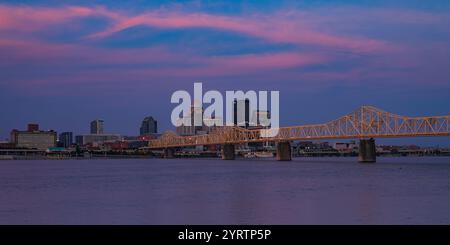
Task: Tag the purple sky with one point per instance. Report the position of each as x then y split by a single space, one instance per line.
64 65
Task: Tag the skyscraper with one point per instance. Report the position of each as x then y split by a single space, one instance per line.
66 139
97 126
241 113
149 126
192 129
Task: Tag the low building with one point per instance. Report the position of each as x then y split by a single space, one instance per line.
141 137
7 145
115 146
137 144
345 146
33 138
93 139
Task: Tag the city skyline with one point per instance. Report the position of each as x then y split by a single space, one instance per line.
65 65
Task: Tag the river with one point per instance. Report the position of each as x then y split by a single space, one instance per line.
395 190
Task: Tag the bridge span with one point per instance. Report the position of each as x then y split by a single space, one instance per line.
364 123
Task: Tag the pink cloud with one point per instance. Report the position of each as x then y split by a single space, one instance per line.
278 27
77 64
275 28
263 62
83 64
20 51
25 18
386 15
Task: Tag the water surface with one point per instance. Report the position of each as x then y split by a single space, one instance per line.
403 190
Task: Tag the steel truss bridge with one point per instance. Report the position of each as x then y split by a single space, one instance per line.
365 122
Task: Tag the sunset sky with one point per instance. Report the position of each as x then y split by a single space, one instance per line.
65 64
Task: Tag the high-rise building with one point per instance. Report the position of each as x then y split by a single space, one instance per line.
66 139
79 140
241 113
186 130
97 126
149 126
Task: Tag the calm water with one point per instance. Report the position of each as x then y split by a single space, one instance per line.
204 191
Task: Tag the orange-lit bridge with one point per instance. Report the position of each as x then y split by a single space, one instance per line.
365 123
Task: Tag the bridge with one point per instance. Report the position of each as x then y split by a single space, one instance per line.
364 123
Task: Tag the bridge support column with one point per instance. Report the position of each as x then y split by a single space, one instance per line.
284 151
228 152
169 153
367 151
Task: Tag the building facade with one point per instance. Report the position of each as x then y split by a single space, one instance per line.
93 139
97 126
32 127
189 130
33 139
66 139
149 126
241 113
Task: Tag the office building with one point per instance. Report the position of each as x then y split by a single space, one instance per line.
33 138
149 126
188 130
241 113
66 139
97 127
79 140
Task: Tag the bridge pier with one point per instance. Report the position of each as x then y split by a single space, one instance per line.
367 151
228 152
169 153
284 151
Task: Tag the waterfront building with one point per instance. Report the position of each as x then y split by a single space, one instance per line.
94 139
33 138
141 137
149 126
6 145
65 139
137 144
345 146
97 126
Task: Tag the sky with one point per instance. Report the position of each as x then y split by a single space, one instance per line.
63 64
